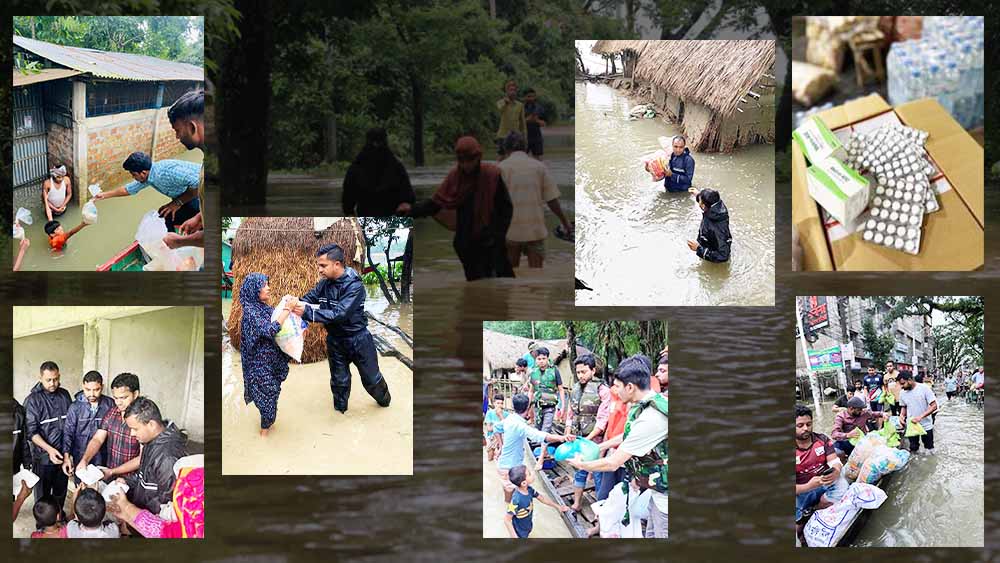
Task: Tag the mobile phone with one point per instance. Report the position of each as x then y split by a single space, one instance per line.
826 471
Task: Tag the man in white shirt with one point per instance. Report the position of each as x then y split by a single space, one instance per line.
530 185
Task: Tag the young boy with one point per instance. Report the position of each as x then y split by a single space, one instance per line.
494 441
519 510
90 510
714 239
48 519
58 237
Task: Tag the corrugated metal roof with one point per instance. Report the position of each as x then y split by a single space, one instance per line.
21 79
104 64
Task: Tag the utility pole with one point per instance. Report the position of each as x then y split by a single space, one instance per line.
805 356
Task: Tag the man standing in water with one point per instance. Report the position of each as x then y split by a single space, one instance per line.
680 171
714 239
919 403
535 118
874 384
338 301
511 116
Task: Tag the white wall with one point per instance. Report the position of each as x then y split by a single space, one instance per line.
64 347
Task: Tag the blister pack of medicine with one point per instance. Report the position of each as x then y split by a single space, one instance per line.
894 156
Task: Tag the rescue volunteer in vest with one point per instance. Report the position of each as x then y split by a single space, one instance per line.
547 390
642 449
581 417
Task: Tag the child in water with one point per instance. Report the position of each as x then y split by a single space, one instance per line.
58 237
714 239
519 512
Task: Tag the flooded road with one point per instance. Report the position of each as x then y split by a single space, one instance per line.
938 499
631 234
117 220
546 521
309 437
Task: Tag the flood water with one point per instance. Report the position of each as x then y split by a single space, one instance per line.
117 220
632 235
937 501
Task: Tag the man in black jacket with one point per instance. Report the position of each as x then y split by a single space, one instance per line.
338 301
714 239
162 445
46 407
22 454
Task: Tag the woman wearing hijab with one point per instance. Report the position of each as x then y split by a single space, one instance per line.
472 201
265 366
57 191
188 503
376 182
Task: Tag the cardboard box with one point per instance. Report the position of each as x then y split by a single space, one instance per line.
838 188
952 238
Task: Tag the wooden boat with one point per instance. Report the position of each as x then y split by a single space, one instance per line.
131 259
548 480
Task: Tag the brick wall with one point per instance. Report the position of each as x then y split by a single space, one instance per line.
60 140
109 144
108 147
167 145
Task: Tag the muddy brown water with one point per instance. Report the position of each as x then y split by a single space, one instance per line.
117 221
632 235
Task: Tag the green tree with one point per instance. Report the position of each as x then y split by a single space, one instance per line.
879 346
966 312
950 347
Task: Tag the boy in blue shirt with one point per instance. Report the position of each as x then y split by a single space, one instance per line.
520 508
494 441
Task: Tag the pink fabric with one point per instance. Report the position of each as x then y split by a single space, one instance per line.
604 411
149 525
189 506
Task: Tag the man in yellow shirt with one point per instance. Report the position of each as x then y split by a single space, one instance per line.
511 116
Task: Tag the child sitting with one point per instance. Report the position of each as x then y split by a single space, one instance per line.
518 518
58 237
90 510
494 440
48 519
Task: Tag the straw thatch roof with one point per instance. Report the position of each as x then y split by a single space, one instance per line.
716 74
500 351
284 249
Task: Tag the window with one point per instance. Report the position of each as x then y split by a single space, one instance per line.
174 90
104 98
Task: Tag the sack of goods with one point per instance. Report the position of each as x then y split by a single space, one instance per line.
611 511
882 461
827 527
291 338
656 164
90 209
150 235
865 447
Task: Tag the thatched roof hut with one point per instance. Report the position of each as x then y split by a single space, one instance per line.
500 351
722 93
284 249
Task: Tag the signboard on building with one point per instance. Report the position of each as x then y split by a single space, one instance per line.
817 315
826 359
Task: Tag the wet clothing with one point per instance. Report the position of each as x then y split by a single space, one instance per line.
535 139
83 420
917 401
340 305
681 172
153 484
520 508
376 183
121 444
714 238
928 440
58 242
265 366
530 186
483 212
22 451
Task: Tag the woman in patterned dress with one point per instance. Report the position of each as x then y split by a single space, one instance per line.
265 366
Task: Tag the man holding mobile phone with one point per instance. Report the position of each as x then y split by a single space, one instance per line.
817 468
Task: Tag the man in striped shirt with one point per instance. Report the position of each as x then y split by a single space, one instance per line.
122 447
176 179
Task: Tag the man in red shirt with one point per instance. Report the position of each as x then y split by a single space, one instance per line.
817 468
852 422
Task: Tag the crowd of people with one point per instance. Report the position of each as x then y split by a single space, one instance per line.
494 209
625 412
58 438
878 398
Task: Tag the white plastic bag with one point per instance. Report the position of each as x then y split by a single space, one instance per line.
611 511
90 475
111 489
291 337
27 476
22 216
89 208
827 527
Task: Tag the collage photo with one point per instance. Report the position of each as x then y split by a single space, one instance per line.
224 221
